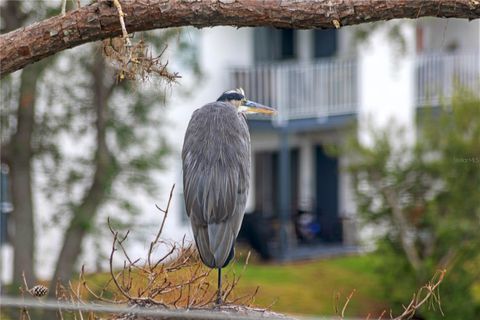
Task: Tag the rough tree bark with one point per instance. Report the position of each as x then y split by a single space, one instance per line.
104 175
100 20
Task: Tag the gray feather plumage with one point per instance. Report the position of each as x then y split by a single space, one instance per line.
216 173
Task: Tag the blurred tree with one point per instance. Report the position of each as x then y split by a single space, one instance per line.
87 140
423 198
17 147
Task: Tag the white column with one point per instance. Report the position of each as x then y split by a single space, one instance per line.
306 175
347 206
386 79
304 45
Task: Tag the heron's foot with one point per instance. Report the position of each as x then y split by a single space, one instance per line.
219 301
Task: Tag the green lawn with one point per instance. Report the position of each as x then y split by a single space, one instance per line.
310 287
306 288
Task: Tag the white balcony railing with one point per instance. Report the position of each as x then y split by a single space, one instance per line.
302 90
438 75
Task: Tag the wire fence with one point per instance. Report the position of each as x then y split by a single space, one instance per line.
160 313
224 312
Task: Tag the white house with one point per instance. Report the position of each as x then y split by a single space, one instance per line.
320 81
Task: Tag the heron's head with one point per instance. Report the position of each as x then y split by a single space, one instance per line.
237 98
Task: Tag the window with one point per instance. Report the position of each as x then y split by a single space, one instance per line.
5 204
287 37
325 43
272 44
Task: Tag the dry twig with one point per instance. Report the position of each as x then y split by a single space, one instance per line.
341 314
429 293
134 61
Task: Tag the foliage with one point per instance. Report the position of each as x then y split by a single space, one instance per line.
423 198
393 30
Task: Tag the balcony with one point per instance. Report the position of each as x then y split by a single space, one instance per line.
302 90
329 87
438 75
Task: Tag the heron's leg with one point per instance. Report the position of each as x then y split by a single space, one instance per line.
219 293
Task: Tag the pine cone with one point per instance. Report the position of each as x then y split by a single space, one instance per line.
38 291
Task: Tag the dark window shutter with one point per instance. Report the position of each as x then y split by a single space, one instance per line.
325 43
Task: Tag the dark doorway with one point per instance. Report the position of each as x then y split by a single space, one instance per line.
267 182
261 228
327 196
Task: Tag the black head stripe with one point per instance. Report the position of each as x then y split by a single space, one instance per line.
231 95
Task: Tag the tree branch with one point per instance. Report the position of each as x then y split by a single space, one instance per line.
403 225
100 20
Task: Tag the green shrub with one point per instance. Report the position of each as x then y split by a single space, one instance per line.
424 198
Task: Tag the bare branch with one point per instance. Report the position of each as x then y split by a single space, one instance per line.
91 292
114 279
341 314
154 242
431 292
346 302
121 16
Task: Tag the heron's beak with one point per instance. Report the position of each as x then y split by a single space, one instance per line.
253 107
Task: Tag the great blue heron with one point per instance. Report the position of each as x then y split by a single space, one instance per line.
216 175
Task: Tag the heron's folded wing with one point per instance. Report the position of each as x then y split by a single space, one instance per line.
216 164
200 233
222 237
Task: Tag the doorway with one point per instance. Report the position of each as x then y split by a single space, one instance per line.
327 196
